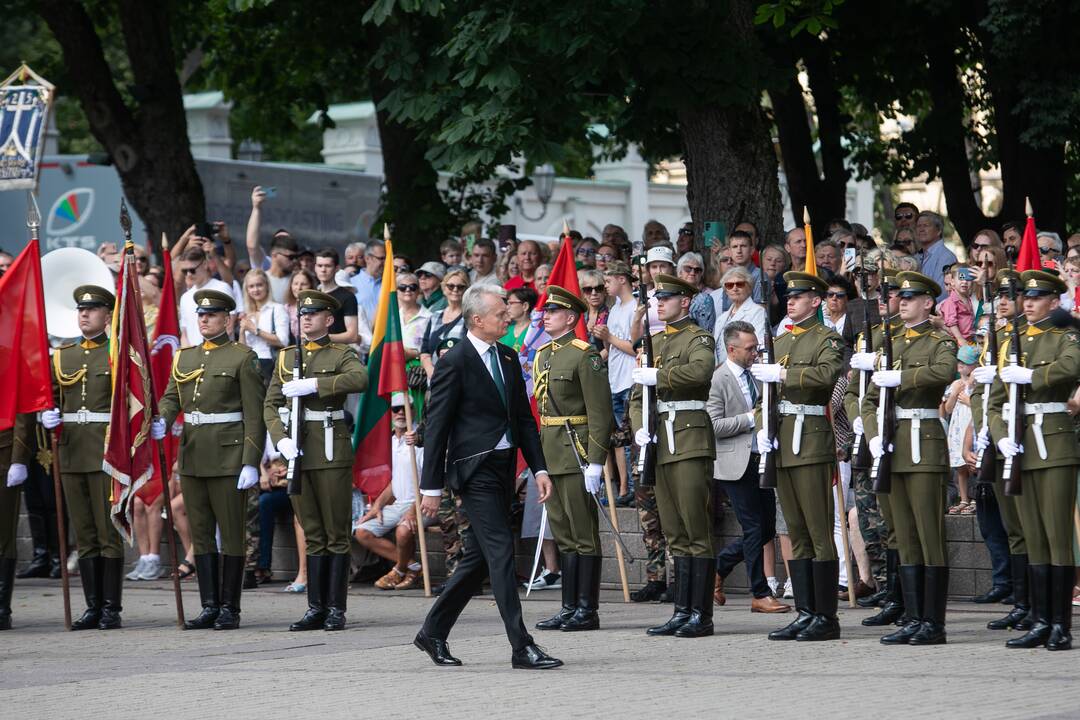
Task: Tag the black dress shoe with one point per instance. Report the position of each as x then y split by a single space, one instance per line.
652 592
993 595
875 600
531 657
89 620
436 649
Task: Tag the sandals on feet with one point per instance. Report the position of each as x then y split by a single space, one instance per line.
186 569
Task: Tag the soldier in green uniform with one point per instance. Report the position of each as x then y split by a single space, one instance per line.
808 360
1049 455
924 365
874 509
82 387
14 456
217 386
1007 312
572 389
324 506
685 449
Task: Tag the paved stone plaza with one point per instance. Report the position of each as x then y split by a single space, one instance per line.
150 669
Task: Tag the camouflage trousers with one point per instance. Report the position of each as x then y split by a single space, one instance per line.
872 524
452 522
652 533
252 543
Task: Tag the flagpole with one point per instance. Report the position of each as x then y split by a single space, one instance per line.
33 222
166 475
615 525
420 534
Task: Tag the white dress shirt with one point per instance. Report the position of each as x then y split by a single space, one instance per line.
482 349
740 376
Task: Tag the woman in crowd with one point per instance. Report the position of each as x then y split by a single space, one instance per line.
301 280
414 320
585 253
691 268
264 324
540 279
736 284
519 303
595 296
447 323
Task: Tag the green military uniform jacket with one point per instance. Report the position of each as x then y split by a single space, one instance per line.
216 376
926 359
339 372
82 380
1054 355
572 382
686 359
813 356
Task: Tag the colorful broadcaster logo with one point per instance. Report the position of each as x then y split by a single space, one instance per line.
70 211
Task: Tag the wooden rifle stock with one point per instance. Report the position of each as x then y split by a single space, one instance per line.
1011 471
985 467
770 401
647 457
861 457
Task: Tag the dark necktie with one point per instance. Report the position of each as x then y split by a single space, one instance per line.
750 384
496 373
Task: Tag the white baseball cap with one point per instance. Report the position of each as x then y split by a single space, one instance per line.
660 253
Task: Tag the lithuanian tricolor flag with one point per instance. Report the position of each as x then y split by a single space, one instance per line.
386 375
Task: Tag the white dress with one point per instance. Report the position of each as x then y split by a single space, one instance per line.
958 423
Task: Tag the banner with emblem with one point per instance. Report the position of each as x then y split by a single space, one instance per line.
129 455
25 99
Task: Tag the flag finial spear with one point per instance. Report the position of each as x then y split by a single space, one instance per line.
125 221
386 232
805 215
33 215
1027 207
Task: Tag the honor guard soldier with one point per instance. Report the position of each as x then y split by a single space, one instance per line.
685 450
809 360
14 456
324 505
891 597
82 386
574 401
1007 312
1049 368
924 365
218 388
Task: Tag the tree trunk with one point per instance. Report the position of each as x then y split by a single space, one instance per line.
731 168
150 146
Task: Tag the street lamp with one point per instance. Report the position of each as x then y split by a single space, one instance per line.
544 182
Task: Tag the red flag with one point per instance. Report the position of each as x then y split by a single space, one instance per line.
1028 258
129 456
164 346
564 274
24 350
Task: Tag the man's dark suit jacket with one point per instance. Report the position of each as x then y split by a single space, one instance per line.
466 417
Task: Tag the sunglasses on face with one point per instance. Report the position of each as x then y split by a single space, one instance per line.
980 246
905 216
455 287
725 259
692 269
191 270
605 256
836 294
733 285
397 410
412 287
401 268
587 289
686 231
1047 250
289 256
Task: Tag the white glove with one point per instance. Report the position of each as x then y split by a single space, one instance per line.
1008 448
886 378
984 374
16 474
249 478
157 428
875 446
982 440
863 361
644 376
765 444
766 373
1016 375
300 388
642 438
50 419
857 426
287 448
594 478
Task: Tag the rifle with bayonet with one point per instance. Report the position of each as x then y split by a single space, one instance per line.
881 470
861 460
985 467
647 454
1011 471
770 401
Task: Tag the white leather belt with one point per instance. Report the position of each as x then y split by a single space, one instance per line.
671 408
85 417
800 412
1038 410
201 418
916 416
326 417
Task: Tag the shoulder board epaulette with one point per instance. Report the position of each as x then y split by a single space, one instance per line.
545 346
661 333
288 347
69 345
580 344
190 347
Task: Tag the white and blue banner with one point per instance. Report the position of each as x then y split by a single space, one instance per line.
25 98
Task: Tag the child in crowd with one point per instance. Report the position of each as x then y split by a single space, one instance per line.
956 407
957 310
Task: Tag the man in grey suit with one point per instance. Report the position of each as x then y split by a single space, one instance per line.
732 398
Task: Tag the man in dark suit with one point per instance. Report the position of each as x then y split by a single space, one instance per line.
477 419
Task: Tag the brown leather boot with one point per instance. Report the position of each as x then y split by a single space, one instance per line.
718 596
